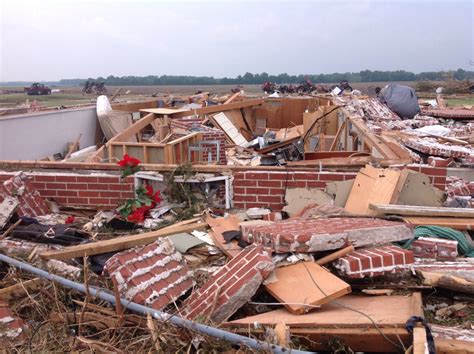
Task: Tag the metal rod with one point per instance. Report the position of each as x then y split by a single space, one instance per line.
159 315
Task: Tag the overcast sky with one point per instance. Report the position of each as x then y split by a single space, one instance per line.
51 40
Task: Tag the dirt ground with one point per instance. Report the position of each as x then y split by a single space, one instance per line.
72 95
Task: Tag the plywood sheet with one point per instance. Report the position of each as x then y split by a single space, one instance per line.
163 111
372 186
385 311
302 283
237 119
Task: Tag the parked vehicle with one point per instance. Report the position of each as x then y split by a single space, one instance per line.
37 89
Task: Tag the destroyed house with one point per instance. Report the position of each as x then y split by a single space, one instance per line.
318 208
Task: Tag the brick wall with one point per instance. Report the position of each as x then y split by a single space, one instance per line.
437 175
73 189
268 188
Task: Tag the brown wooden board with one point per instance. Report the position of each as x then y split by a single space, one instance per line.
120 243
454 223
372 186
384 311
301 284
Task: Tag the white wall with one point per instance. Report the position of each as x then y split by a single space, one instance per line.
38 135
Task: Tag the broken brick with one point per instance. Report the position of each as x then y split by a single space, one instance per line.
12 328
231 286
31 202
312 235
371 262
430 247
153 275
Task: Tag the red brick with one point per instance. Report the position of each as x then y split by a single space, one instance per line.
39 178
65 178
280 176
38 185
87 179
331 177
316 184
432 171
81 201
269 183
107 180
88 194
56 186
98 186
263 191
109 194
296 184
270 199
77 186
305 176
62 193
244 183
256 175
49 193
238 190
245 198
99 201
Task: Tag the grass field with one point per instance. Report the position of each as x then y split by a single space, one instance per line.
71 96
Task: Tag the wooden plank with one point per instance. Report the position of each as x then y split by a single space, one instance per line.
306 283
219 226
220 108
422 210
335 255
455 223
119 243
233 97
338 134
21 289
7 208
133 129
332 315
372 185
419 340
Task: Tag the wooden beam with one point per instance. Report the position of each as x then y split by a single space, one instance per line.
120 243
133 129
422 210
452 222
338 134
220 108
20 289
419 340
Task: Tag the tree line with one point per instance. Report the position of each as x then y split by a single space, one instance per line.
249 78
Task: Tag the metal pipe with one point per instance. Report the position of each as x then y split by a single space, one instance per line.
159 315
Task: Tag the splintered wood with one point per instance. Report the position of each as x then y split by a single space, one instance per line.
303 286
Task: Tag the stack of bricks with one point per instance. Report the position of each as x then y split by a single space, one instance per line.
312 235
30 201
230 287
153 275
430 247
208 134
374 262
12 329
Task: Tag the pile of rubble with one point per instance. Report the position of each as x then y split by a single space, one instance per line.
314 277
313 222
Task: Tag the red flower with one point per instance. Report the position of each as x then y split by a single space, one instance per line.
155 196
128 161
138 215
70 219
